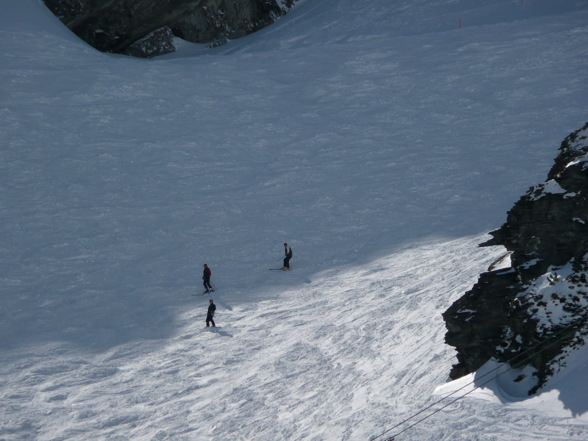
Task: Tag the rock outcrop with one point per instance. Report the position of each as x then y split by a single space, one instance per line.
536 311
123 26
159 42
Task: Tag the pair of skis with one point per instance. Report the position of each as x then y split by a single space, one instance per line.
203 293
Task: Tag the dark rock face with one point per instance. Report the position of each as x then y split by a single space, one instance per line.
534 312
116 25
226 19
159 42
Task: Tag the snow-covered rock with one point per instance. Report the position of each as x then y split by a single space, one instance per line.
535 311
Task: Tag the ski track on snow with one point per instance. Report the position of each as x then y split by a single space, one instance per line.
333 360
260 374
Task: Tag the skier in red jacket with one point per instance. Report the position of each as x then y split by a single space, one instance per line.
206 278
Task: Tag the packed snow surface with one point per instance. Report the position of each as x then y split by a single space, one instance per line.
381 139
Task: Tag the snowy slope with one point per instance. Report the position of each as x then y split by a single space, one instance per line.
378 139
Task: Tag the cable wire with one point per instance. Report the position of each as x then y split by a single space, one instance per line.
508 367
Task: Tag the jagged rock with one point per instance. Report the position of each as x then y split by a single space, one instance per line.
112 26
115 26
159 42
535 311
225 20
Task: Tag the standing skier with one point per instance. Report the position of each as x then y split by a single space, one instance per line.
210 314
206 278
288 256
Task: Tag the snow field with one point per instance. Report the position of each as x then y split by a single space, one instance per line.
377 139
324 361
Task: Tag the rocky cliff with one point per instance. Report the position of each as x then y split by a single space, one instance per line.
536 311
129 26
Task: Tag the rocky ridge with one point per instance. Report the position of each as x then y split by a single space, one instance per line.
145 28
536 311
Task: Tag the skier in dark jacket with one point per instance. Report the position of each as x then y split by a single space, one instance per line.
288 256
210 314
206 278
